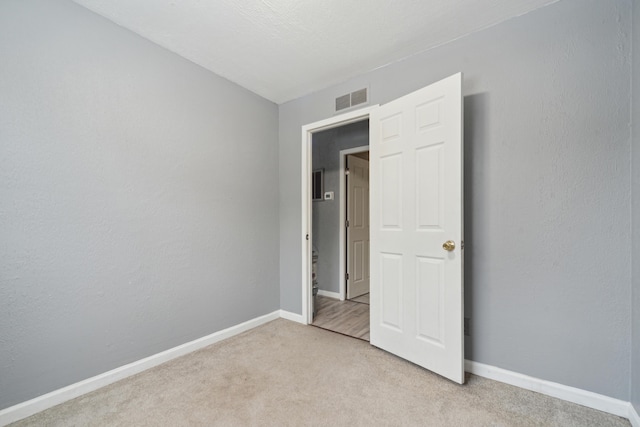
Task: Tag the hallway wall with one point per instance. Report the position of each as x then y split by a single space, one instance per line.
326 214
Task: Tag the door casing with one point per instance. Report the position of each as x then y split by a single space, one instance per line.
358 228
343 215
305 241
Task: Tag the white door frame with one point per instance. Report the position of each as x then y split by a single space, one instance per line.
343 216
307 134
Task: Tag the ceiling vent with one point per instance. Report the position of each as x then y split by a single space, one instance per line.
359 97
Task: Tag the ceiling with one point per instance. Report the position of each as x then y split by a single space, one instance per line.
284 49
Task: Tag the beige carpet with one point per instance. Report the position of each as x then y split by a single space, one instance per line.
286 374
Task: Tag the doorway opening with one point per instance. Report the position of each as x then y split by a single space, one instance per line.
308 133
340 229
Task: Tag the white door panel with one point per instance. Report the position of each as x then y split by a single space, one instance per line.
416 206
358 249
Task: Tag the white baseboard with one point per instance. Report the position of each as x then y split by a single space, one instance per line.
634 418
570 394
292 316
46 401
329 294
56 397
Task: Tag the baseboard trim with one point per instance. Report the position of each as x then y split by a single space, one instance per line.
294 317
329 294
634 417
570 394
56 397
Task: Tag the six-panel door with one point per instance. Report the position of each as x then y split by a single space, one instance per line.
416 206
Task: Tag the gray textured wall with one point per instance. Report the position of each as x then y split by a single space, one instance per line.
635 323
138 199
326 214
547 209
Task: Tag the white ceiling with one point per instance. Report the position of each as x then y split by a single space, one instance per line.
283 49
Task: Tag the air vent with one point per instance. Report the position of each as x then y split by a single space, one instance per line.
359 97
352 99
343 102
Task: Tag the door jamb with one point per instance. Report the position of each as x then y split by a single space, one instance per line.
343 216
307 134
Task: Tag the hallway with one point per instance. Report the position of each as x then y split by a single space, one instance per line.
345 317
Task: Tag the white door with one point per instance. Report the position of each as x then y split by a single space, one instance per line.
416 228
357 227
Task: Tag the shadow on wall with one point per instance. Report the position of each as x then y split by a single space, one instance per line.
476 161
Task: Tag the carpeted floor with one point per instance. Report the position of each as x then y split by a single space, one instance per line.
286 374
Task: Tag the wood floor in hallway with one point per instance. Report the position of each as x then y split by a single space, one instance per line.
364 299
345 317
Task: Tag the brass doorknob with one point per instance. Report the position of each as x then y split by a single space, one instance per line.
449 245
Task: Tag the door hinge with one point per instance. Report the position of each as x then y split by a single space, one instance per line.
346 276
346 171
307 237
346 223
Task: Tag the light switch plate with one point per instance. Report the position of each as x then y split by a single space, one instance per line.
328 195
